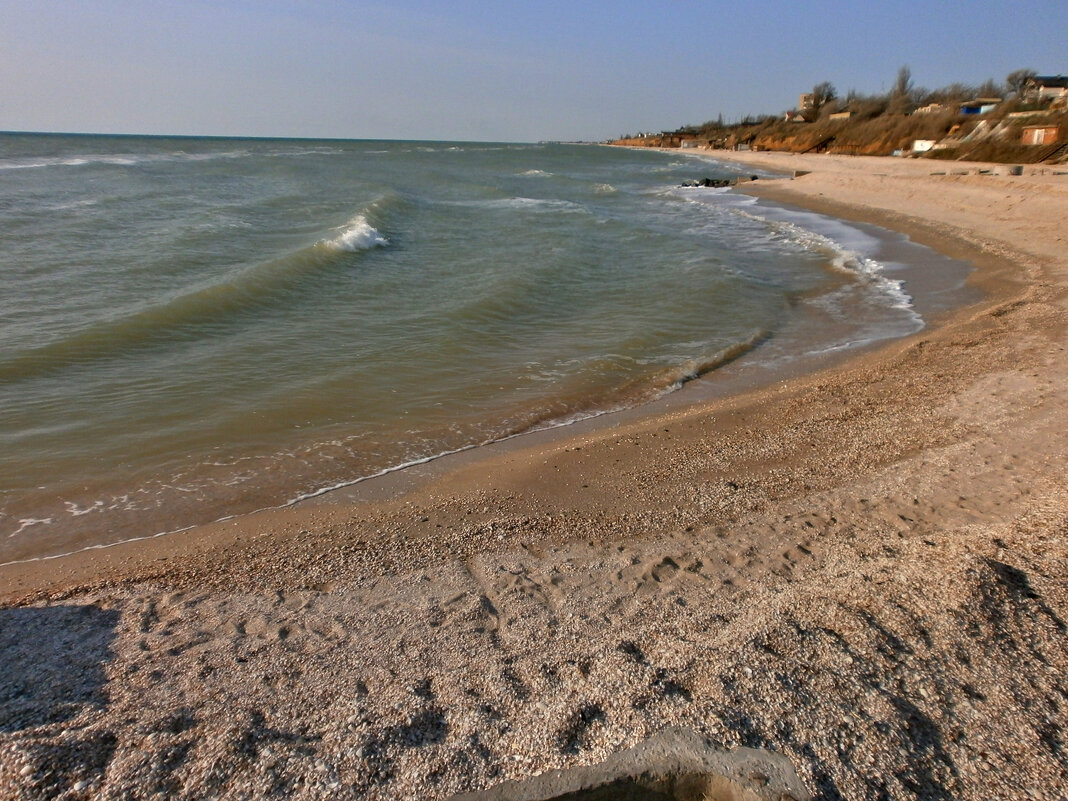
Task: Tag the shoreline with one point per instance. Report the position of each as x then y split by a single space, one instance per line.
735 373
811 566
718 384
53 512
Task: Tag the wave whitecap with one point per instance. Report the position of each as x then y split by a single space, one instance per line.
135 159
533 205
225 297
357 235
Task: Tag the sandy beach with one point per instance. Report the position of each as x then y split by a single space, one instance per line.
862 569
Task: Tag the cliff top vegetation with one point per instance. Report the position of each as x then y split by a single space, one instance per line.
961 121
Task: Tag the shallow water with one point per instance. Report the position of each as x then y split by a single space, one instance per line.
193 328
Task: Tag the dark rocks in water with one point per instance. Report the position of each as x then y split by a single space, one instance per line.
717 183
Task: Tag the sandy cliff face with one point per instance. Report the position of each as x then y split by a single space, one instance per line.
986 139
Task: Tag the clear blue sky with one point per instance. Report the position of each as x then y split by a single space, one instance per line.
515 71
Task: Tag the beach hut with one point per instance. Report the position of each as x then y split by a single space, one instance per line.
1039 135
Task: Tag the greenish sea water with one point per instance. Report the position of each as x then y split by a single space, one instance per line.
194 328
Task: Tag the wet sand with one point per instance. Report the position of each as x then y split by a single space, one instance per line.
862 569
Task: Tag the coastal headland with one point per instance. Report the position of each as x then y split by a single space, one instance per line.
862 569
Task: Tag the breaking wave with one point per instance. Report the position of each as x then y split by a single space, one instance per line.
865 270
357 235
252 289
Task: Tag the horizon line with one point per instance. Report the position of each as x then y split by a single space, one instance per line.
289 138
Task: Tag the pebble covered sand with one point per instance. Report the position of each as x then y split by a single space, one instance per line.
863 569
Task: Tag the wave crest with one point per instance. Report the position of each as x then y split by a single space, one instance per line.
357 235
228 296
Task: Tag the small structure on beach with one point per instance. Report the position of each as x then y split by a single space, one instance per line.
1039 135
677 139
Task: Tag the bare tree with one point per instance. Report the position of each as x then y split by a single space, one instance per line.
1016 80
988 88
901 94
822 94
903 84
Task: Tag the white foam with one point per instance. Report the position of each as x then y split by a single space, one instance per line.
74 161
74 204
77 511
357 235
524 203
26 522
536 174
864 269
123 159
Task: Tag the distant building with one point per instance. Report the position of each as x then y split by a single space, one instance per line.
806 102
1043 88
794 116
931 108
841 115
1039 135
676 138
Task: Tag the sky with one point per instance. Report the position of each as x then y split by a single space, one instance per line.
484 71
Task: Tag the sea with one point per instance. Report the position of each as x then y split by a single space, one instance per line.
196 328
